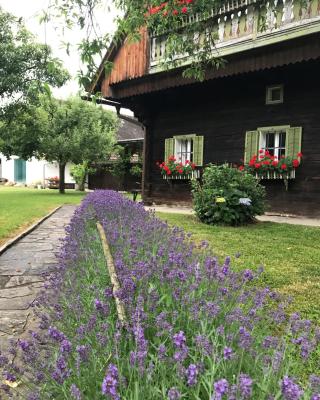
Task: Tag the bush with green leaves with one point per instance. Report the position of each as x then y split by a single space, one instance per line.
227 196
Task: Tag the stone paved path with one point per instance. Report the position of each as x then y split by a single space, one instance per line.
21 267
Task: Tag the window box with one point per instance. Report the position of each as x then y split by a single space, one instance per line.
192 175
273 152
277 175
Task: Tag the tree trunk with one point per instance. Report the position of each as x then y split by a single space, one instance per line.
62 167
84 176
81 186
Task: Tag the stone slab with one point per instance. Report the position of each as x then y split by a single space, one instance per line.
21 280
16 303
13 321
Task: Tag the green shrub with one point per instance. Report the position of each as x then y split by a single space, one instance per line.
227 196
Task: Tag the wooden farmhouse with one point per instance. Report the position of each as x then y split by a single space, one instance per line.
266 96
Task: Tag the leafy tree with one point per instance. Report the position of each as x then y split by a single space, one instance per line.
79 173
26 68
61 131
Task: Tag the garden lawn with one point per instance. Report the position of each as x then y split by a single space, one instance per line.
20 207
290 255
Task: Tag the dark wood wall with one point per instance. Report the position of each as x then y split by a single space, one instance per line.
223 110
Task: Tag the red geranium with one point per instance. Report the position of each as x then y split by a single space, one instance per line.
295 163
172 167
284 166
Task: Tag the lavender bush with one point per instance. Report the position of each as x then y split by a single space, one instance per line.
195 330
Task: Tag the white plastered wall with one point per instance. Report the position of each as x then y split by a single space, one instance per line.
37 171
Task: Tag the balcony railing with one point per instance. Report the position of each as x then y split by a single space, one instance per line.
245 24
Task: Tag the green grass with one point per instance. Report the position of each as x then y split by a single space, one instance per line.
290 255
20 207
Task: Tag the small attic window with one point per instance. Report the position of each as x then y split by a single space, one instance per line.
274 94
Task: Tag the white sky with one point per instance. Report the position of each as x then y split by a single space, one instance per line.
30 10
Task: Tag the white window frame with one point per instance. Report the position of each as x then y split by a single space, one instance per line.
189 151
269 91
276 130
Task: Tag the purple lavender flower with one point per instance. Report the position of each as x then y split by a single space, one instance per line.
174 394
75 392
227 353
162 352
24 344
314 383
203 344
315 396
55 334
101 307
65 346
3 360
110 383
83 351
192 373
220 388
179 339
247 275
290 390
9 376
245 386
245 338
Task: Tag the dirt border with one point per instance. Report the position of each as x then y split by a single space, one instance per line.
31 228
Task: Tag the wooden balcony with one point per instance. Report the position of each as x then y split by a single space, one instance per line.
242 25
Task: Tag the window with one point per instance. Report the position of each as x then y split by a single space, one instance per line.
185 148
278 140
274 94
274 143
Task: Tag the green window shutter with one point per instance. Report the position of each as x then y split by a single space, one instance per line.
168 148
293 141
198 150
251 145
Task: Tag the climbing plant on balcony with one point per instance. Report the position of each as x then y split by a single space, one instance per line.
193 37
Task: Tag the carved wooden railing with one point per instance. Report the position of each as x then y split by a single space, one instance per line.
243 24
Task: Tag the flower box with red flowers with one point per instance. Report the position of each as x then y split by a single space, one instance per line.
53 183
172 169
267 166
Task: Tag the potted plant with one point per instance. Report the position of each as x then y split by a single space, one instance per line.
53 182
267 166
178 170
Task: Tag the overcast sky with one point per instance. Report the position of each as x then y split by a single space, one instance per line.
30 10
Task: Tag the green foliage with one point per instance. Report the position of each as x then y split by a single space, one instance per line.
195 40
63 131
123 164
78 131
136 170
79 173
27 68
227 196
